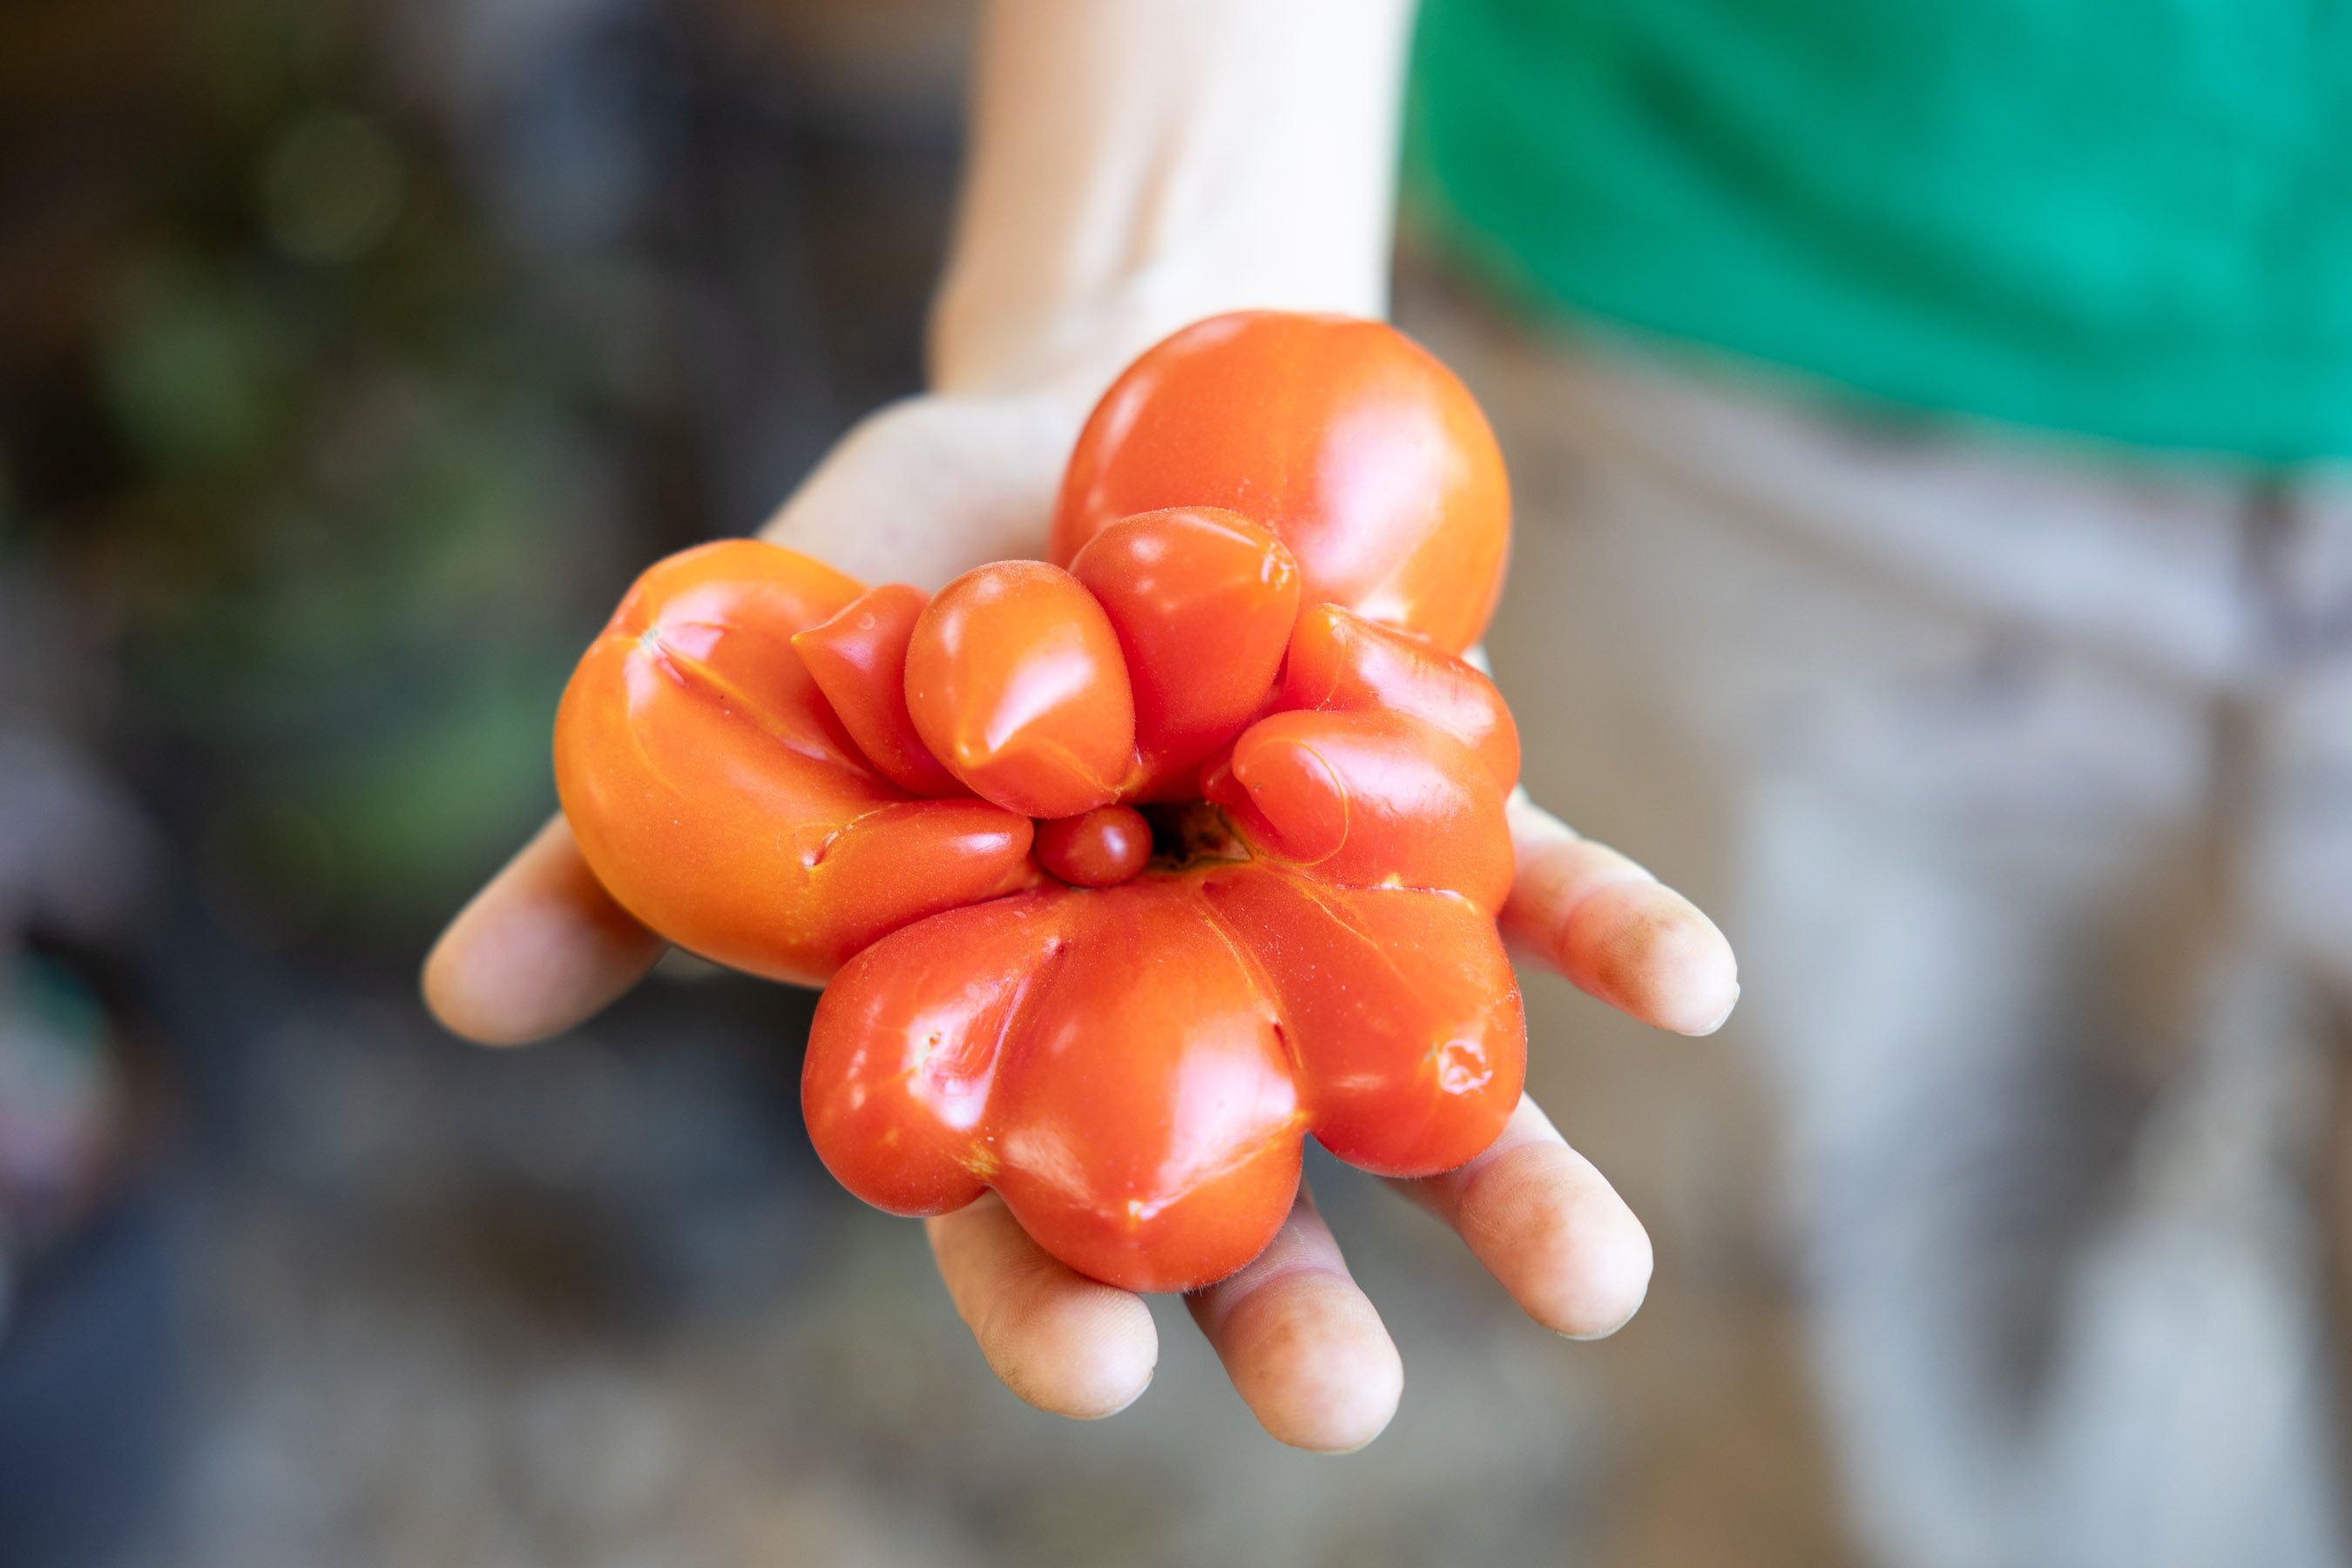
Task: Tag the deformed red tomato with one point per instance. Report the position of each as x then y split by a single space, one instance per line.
1135 874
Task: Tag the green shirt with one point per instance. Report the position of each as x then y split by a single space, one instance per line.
2128 219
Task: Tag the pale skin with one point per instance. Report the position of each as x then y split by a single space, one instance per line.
1137 164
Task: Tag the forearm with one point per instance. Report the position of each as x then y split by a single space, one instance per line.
1138 163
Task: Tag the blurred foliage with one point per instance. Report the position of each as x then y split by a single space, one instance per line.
343 472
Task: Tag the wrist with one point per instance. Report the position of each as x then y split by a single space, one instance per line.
1136 165
1074 344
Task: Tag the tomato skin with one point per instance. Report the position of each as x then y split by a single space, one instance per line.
1401 1008
1015 683
1354 445
1367 800
1101 849
1339 662
1119 1066
719 799
1103 1059
1204 602
858 659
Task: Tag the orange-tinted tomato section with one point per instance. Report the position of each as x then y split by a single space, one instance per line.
858 659
1204 602
1350 442
1101 849
715 794
1015 682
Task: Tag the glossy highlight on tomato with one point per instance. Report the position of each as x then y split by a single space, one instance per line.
1127 877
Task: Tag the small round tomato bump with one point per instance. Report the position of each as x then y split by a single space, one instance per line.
1099 848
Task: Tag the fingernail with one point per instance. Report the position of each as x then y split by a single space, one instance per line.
1629 1317
1142 1389
1722 1018
1343 1453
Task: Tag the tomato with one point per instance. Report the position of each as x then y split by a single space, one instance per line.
1129 875
1350 441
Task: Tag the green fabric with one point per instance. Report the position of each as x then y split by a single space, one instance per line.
2129 218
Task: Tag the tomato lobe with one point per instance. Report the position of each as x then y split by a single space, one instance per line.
1015 683
1101 849
858 659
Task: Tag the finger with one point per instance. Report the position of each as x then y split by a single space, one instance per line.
1068 1344
542 947
1305 1349
1613 930
1547 1226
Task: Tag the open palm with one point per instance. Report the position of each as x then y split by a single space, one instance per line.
921 492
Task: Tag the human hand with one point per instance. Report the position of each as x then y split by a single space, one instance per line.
919 493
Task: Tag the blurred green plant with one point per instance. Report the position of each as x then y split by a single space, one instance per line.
357 477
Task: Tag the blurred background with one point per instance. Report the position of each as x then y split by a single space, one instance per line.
354 355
